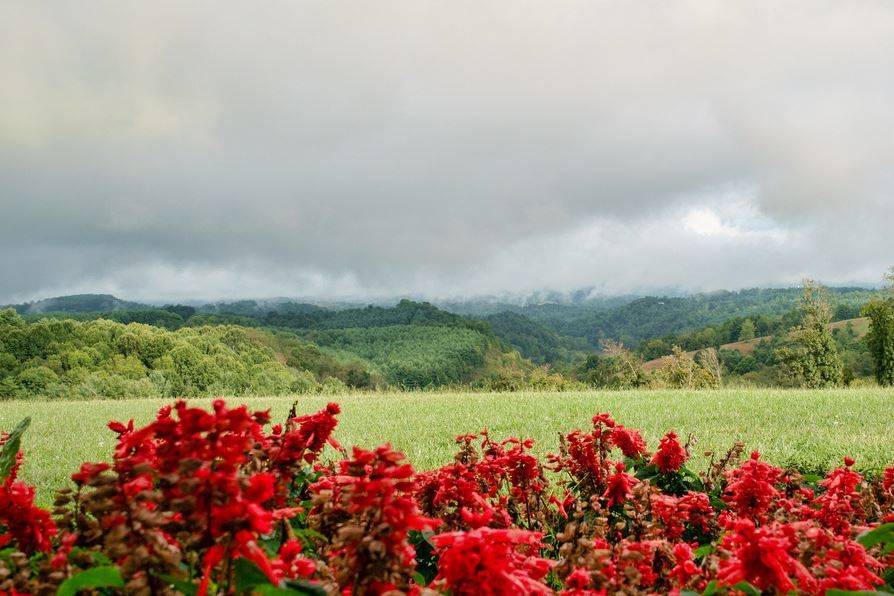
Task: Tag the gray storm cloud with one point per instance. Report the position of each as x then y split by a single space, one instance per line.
170 150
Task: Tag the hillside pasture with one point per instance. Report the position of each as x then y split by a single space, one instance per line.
859 325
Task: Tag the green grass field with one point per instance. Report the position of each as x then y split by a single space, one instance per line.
810 429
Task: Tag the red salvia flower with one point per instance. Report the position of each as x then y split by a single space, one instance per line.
629 441
763 556
618 489
840 505
888 480
490 562
374 490
195 489
670 455
751 488
684 567
22 524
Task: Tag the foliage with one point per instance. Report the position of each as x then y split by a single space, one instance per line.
747 330
77 303
405 312
201 502
102 358
685 372
855 353
532 339
506 378
811 359
413 356
880 338
616 368
634 320
562 334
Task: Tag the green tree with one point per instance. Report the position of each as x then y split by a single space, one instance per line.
880 337
616 368
811 357
685 372
747 330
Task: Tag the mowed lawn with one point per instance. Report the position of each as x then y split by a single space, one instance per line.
809 429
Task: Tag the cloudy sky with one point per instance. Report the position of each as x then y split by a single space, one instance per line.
169 150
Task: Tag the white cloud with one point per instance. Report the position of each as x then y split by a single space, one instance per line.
422 146
705 222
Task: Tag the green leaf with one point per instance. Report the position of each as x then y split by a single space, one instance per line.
694 480
646 472
884 534
97 557
251 580
11 447
747 589
302 586
107 576
271 590
248 575
710 589
703 551
183 586
856 593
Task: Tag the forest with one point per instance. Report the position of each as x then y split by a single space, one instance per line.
90 345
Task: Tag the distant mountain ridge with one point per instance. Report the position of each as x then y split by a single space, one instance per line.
78 303
634 319
544 326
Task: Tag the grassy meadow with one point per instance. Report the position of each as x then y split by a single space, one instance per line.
809 429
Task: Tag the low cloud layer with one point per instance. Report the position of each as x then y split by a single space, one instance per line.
171 150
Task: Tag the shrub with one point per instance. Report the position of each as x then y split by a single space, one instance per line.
201 502
685 372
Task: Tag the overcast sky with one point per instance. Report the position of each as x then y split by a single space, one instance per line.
169 150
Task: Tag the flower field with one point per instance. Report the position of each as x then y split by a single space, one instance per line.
212 497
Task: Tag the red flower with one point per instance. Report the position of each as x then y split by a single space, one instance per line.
290 564
763 557
629 441
490 562
89 471
578 584
848 566
670 456
840 505
888 480
22 524
639 556
619 484
372 490
684 567
193 490
603 420
306 435
750 488
578 579
676 512
119 428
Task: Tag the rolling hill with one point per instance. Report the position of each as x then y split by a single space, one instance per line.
860 326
